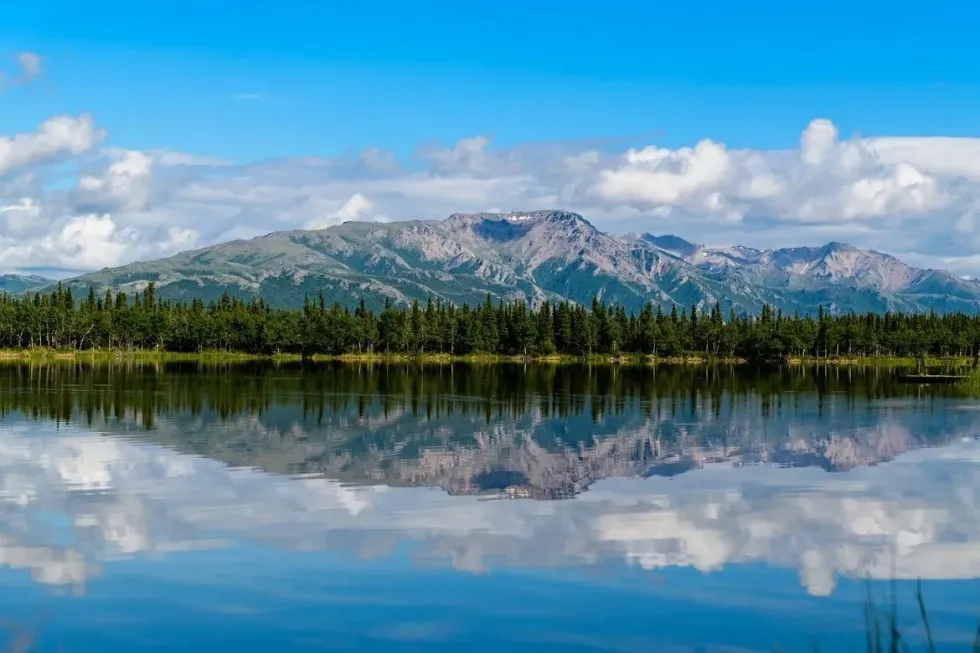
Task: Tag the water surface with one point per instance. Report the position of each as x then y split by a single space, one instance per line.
258 507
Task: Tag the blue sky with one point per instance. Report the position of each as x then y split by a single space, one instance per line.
338 76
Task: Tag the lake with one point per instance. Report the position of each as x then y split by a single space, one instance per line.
261 507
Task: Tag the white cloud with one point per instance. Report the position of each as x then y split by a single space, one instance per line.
82 242
657 176
356 207
818 142
942 156
169 158
19 216
124 185
577 163
918 198
469 156
90 241
826 180
57 138
179 239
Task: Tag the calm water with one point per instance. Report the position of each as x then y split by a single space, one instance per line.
255 508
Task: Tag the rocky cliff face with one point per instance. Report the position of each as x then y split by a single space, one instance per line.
539 255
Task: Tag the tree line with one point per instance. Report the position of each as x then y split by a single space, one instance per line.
141 321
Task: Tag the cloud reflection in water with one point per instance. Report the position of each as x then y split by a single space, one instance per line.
71 500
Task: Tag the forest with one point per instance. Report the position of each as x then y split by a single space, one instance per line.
142 321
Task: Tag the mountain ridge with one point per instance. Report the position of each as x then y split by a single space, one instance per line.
18 283
534 256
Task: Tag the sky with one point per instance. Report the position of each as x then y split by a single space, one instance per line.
130 131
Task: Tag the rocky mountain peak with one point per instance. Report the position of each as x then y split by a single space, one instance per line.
517 225
552 216
673 244
834 247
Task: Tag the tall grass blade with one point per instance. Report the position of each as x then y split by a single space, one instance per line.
872 629
894 636
925 616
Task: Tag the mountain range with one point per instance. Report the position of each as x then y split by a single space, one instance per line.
534 256
18 283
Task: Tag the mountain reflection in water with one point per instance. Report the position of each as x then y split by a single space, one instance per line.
159 459
543 432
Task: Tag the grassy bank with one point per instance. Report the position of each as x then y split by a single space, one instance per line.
149 355
217 356
39 354
883 361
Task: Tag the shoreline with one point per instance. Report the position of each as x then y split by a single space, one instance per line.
154 356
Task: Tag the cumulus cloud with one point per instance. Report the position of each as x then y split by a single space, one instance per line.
125 184
918 198
54 139
84 242
357 207
661 177
825 180
19 216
